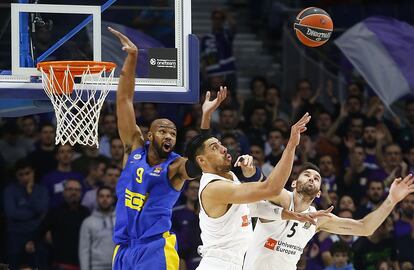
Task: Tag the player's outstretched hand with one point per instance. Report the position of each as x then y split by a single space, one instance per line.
311 217
127 45
245 162
209 106
400 188
298 128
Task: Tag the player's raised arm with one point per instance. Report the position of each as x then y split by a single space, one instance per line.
186 169
400 188
227 193
209 106
129 132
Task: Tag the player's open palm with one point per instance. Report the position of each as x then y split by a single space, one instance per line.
312 216
400 188
127 45
299 128
209 106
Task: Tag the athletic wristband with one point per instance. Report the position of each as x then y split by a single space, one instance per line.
255 177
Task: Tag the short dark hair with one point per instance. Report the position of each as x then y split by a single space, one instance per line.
104 188
229 135
195 146
339 247
111 166
309 166
47 124
375 180
258 79
284 135
113 138
22 164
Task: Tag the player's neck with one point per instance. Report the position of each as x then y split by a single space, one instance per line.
301 202
153 157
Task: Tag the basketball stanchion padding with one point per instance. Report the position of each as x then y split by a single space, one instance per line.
77 105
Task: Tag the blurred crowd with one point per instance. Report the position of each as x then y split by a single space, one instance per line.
56 201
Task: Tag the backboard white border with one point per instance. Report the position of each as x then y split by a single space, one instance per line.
16 9
182 31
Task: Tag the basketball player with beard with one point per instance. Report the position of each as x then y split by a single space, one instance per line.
278 244
150 183
224 213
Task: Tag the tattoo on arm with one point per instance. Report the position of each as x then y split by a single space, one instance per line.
345 228
128 149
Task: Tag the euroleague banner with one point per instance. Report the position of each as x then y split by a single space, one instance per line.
382 50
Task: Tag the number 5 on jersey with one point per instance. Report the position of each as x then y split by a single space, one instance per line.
140 172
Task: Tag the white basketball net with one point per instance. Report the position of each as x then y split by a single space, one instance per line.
77 113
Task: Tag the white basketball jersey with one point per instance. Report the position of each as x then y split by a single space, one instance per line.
278 244
226 235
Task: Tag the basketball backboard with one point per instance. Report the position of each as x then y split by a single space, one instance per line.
45 30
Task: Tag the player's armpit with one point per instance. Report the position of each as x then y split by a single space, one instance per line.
343 226
283 199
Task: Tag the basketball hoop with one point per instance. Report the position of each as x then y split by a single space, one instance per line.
77 104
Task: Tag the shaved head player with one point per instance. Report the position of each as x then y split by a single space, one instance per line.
150 183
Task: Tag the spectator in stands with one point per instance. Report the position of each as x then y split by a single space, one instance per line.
275 142
257 152
256 128
43 157
228 123
354 104
356 175
109 179
409 156
61 227
370 143
368 251
95 173
229 140
185 224
25 204
353 127
217 49
81 164
55 180
12 146
305 100
375 195
117 152
405 244
108 129
188 135
393 163
403 225
95 239
258 86
325 139
328 173
405 135
346 202
273 105
148 114
29 128
340 252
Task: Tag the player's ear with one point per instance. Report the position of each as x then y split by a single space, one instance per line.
149 135
319 194
200 160
294 184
